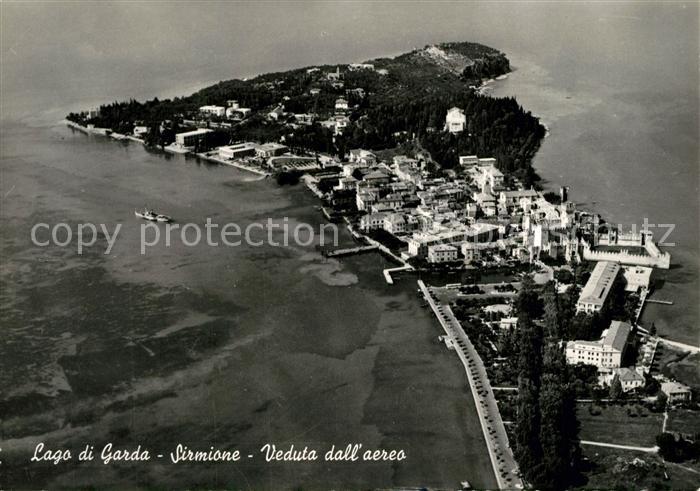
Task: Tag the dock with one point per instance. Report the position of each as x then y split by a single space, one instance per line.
312 184
504 466
387 272
664 302
350 250
644 299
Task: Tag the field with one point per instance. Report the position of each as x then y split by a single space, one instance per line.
683 421
615 425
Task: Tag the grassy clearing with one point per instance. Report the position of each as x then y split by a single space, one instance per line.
683 421
615 425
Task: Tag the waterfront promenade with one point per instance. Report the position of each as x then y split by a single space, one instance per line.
504 465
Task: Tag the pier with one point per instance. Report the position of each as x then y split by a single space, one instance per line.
311 183
644 299
664 302
387 272
350 250
504 466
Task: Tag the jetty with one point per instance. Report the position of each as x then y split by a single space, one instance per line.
663 302
350 250
504 466
312 183
387 272
644 299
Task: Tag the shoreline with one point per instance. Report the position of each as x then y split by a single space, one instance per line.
106 132
233 163
593 207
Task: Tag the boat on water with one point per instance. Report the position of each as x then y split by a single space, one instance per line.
152 216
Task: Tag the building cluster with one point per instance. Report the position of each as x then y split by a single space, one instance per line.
474 213
250 149
336 118
608 355
232 111
470 216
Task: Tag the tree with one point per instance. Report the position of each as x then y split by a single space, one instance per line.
555 459
660 403
652 329
528 450
616 389
559 427
677 450
552 320
528 303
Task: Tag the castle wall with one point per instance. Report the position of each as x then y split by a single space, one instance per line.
659 260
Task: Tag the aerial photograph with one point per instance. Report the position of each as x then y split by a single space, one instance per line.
349 245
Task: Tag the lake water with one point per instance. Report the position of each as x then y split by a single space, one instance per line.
623 121
230 346
238 346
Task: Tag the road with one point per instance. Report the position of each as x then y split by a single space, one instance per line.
504 466
622 447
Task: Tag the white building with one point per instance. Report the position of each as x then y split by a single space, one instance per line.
442 253
219 111
276 113
511 199
468 160
636 277
595 293
361 66
372 221
305 118
676 392
491 179
336 75
237 151
341 104
237 112
337 123
606 353
630 379
486 202
394 223
140 130
362 157
189 139
270 149
470 251
346 183
456 121
365 199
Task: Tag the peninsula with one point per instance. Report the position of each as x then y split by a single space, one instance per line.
541 300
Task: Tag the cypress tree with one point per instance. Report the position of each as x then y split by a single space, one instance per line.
527 448
559 427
